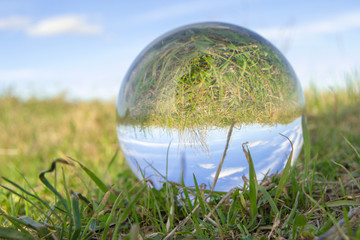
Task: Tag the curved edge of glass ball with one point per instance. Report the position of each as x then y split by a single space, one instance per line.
246 32
137 108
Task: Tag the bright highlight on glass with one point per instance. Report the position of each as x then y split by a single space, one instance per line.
185 90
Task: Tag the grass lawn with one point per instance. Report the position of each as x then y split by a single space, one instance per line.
63 178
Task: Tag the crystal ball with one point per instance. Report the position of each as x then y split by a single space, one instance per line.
196 95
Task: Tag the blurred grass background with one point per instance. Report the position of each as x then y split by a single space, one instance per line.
34 132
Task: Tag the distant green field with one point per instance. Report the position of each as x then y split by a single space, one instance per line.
322 188
36 131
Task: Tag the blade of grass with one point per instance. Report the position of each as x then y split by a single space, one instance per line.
67 192
134 232
44 180
353 147
76 216
346 220
217 221
348 172
16 222
30 194
307 146
23 223
11 233
50 187
40 228
285 173
127 211
95 179
253 186
27 200
183 222
195 222
232 213
299 221
195 216
223 157
199 195
293 210
98 209
152 202
339 203
112 213
269 199
332 231
169 192
223 199
332 218
112 160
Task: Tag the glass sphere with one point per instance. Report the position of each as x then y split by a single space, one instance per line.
203 90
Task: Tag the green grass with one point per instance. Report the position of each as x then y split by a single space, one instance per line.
62 179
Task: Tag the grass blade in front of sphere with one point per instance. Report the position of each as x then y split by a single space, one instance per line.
285 173
253 185
307 146
232 213
269 199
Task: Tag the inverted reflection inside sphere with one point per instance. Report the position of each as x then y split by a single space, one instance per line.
183 93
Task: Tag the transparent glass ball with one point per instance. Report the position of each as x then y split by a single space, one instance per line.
197 95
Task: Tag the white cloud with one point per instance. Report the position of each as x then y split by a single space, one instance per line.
59 25
228 171
207 165
333 25
257 143
66 24
14 23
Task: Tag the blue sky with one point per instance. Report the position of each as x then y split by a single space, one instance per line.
85 47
